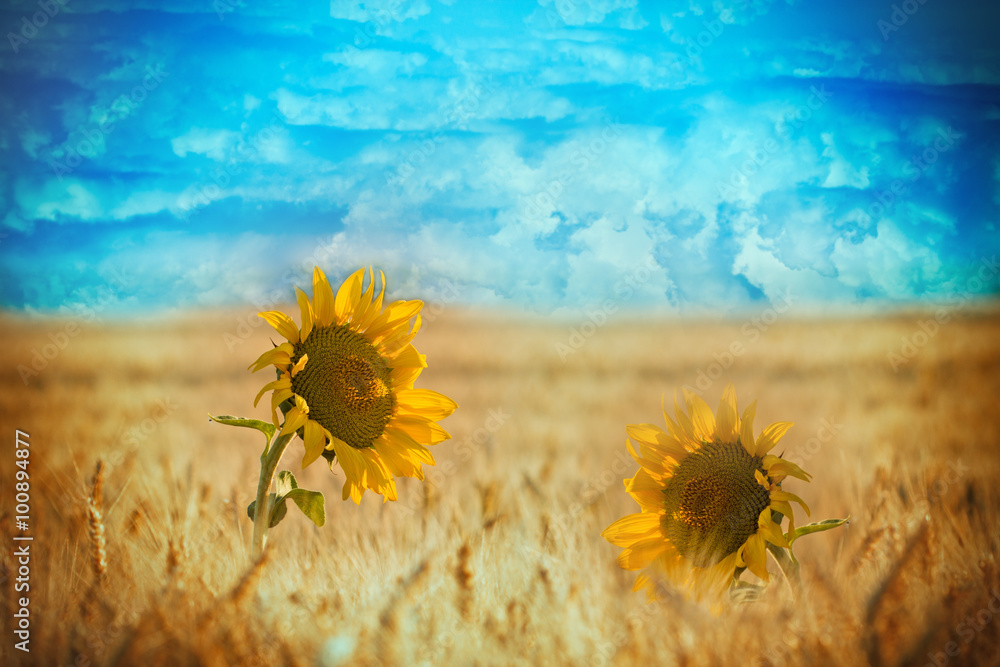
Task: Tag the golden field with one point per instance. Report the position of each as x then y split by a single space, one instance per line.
497 558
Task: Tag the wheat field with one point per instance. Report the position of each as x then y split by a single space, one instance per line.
497 557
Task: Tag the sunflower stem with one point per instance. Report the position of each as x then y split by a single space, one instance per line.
788 564
264 508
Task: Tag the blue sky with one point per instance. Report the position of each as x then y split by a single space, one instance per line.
538 155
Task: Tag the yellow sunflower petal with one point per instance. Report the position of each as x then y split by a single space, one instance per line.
746 429
299 365
641 553
353 489
702 418
687 428
778 494
388 489
776 466
315 442
657 467
394 315
408 357
403 378
362 321
643 481
322 298
280 395
425 403
377 475
350 462
770 436
397 339
671 565
280 383
282 323
280 356
348 296
421 430
755 556
713 581
396 459
633 528
295 418
649 501
641 582
769 530
410 447
650 435
307 313
727 419
672 427
785 508
365 300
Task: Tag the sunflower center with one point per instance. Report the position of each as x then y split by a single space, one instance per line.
355 380
713 502
346 384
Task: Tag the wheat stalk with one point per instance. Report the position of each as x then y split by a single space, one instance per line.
98 543
248 581
463 576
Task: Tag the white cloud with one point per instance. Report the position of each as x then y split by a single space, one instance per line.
614 255
32 140
250 103
144 203
842 173
758 262
214 144
582 12
53 199
357 112
574 62
378 11
419 105
275 148
377 62
632 20
898 267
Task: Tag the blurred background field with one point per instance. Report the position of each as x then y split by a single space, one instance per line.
497 558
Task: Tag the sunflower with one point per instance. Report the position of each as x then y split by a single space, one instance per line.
710 495
345 383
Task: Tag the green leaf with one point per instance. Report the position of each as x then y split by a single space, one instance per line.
311 503
277 514
817 527
267 428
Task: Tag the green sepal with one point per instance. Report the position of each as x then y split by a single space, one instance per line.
267 428
277 514
817 527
